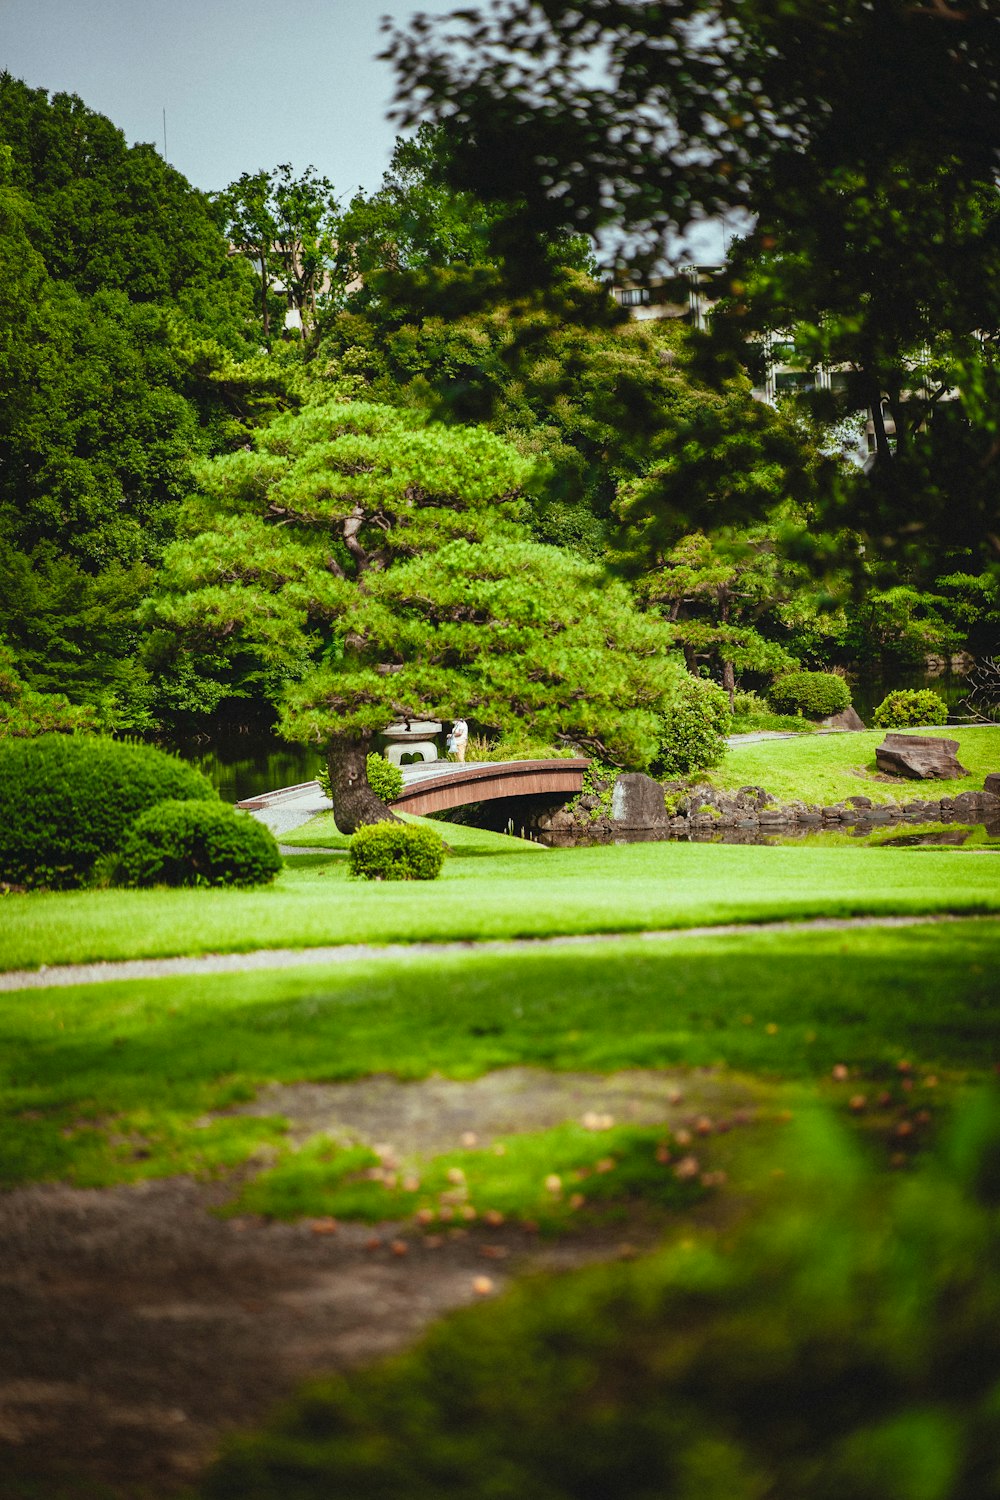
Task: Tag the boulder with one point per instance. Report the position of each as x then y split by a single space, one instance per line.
974 807
921 757
637 802
849 718
992 784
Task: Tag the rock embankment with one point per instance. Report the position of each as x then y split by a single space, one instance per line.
637 804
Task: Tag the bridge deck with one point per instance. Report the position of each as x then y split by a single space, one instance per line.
434 785
431 786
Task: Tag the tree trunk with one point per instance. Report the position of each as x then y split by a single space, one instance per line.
354 802
723 598
729 682
264 312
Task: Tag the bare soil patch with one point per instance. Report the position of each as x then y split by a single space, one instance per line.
140 1327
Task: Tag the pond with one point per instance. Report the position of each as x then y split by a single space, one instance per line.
971 837
245 763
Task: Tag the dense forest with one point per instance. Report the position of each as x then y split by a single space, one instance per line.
163 351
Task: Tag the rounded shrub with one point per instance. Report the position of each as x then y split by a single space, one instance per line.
197 843
817 695
693 728
66 800
910 706
395 851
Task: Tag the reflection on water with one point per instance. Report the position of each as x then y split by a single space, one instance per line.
861 835
245 765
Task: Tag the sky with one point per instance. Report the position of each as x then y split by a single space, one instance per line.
245 84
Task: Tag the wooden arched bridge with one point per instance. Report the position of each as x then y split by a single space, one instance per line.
436 785
433 786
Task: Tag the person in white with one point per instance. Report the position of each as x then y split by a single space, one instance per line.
458 738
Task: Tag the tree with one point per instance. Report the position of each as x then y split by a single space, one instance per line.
111 217
415 220
286 226
717 592
856 142
383 563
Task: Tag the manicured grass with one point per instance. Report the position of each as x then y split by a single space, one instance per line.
321 832
611 889
105 1083
823 768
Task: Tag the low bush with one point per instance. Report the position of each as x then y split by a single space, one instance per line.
67 799
396 851
197 843
516 743
693 729
816 695
751 714
385 779
910 706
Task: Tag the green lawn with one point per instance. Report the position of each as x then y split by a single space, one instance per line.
627 888
105 1083
124 1080
828 768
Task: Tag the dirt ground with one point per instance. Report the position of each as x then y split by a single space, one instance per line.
139 1327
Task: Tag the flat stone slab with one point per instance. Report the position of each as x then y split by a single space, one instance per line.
920 757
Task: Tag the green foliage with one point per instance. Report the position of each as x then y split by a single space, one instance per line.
515 743
286 227
899 626
724 594
910 706
693 728
25 713
752 714
197 843
379 559
598 781
853 143
396 851
385 779
817 695
844 1344
119 304
68 799
112 217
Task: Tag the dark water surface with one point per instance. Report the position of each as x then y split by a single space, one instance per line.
246 764
861 836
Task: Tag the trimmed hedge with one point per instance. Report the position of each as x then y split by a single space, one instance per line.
817 695
395 851
198 843
65 800
693 728
910 706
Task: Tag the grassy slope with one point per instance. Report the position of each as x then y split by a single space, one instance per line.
611 889
91 1073
829 768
